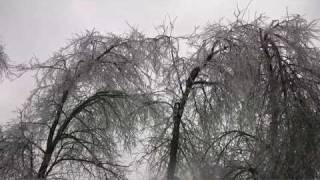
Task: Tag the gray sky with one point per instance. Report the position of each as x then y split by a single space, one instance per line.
39 27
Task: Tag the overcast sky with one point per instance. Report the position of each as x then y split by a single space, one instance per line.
39 27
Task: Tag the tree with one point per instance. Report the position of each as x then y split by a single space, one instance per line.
274 74
16 153
233 101
182 79
87 99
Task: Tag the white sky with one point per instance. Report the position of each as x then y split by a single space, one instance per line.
39 27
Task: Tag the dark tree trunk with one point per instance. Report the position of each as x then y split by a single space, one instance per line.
50 141
177 115
178 112
174 146
45 164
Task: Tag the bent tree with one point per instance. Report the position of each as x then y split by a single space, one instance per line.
88 98
234 101
242 100
179 107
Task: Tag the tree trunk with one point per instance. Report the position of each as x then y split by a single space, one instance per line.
51 142
178 112
45 164
177 115
274 107
174 142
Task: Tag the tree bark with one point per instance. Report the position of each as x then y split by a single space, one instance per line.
174 143
45 163
178 112
50 145
177 115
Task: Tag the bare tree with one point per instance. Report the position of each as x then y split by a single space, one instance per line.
233 101
237 100
274 76
88 97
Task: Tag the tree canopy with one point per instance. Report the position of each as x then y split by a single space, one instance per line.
230 101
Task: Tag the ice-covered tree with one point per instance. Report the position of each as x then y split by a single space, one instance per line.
237 100
88 98
244 102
